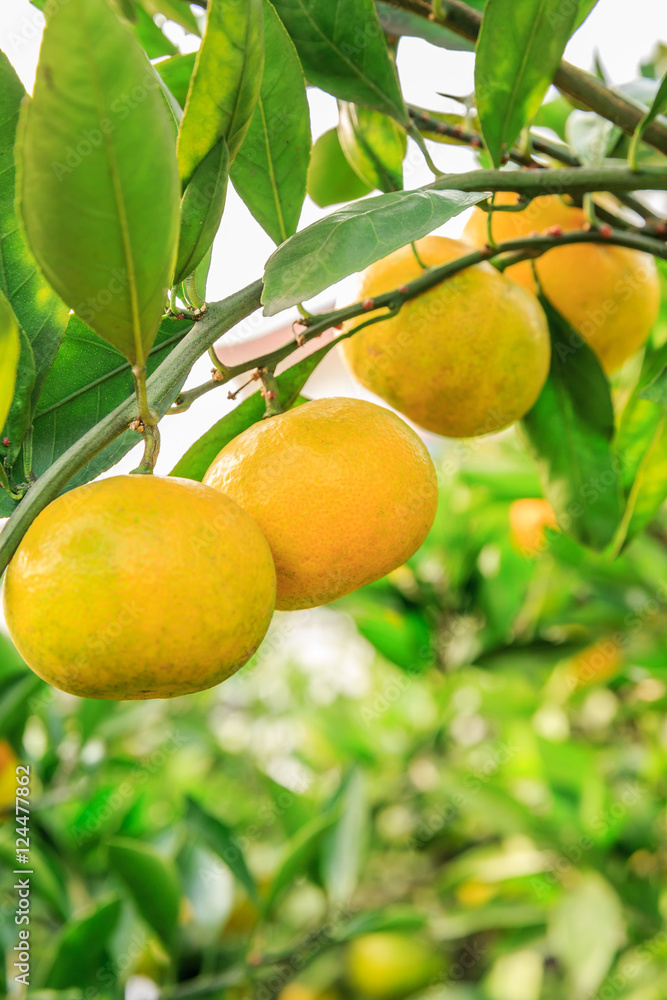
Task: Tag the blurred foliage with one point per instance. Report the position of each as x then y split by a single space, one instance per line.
465 760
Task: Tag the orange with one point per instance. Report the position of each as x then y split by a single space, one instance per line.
343 490
139 587
389 965
528 519
467 357
609 294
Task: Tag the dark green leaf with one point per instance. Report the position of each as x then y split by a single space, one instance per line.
374 146
88 380
219 837
176 73
37 308
9 356
15 700
194 464
331 179
201 210
570 429
397 22
99 184
343 50
271 168
80 950
225 83
352 238
519 48
151 882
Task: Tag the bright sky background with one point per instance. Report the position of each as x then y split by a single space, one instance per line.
620 36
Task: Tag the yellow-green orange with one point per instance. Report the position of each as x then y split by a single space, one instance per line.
387 965
139 587
467 357
609 294
529 518
343 490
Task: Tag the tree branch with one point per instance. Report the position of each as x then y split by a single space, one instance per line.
162 387
582 87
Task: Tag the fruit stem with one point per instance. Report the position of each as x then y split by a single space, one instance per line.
415 251
151 433
270 392
415 134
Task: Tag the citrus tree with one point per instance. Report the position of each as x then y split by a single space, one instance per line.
546 316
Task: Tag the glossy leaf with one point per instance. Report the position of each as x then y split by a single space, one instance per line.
80 950
331 179
20 410
39 311
271 168
397 22
9 356
374 146
99 184
343 51
642 449
584 9
352 238
88 380
176 73
151 883
570 429
195 462
519 48
225 83
219 837
202 206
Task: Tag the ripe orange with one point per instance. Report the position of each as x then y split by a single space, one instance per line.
529 517
139 587
468 357
609 294
343 490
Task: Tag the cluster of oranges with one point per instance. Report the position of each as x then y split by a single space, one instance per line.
150 587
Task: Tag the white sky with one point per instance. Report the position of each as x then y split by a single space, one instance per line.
621 37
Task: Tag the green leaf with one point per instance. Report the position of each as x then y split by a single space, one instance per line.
178 11
152 40
18 418
519 48
585 931
570 428
39 311
343 51
195 462
9 356
345 843
387 919
151 882
374 146
80 949
225 83
352 238
658 106
585 7
331 179
271 168
88 380
202 206
98 180
219 837
299 854
591 137
176 73
397 22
